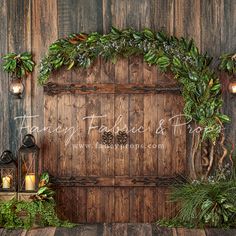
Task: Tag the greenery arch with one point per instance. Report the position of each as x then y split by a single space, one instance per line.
201 87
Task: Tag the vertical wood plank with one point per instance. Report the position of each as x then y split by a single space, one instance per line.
136 204
188 20
150 204
94 205
228 33
81 203
4 88
122 204
210 20
19 40
118 19
44 19
107 204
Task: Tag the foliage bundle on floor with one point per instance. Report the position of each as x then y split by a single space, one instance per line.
201 88
40 211
206 203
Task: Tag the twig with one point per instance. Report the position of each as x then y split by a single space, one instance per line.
224 150
211 160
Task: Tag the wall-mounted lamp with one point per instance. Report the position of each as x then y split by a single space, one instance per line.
232 87
17 88
18 66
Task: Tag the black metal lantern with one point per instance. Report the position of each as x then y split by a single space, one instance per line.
28 165
8 172
17 88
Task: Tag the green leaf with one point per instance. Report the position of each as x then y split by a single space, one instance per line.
193 76
223 118
148 33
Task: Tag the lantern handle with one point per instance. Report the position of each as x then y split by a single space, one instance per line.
6 157
28 140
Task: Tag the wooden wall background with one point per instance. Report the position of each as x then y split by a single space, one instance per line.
33 24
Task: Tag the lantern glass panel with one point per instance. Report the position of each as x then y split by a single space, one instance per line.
28 168
8 172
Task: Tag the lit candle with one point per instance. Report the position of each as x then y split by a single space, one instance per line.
232 87
6 182
16 89
30 182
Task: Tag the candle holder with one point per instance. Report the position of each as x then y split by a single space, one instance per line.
28 165
8 172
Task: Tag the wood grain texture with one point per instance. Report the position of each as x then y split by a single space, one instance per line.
33 25
4 87
119 229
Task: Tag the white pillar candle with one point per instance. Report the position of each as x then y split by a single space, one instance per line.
30 182
6 182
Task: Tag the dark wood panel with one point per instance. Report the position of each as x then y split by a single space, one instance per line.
4 98
19 40
53 89
118 181
228 44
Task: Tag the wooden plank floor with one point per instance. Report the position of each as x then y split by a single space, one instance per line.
118 229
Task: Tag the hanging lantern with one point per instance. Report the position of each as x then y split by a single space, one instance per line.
28 164
8 171
17 88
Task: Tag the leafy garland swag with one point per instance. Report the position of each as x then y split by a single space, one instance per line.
201 87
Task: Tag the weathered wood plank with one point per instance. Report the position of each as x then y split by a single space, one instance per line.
139 230
4 99
107 204
228 33
53 89
49 231
44 19
191 232
16 232
136 205
18 41
122 204
81 203
94 205
150 205
117 181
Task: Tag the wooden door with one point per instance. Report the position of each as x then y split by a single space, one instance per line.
116 183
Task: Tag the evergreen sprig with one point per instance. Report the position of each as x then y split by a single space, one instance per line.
201 87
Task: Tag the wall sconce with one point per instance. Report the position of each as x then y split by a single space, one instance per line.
17 88
232 87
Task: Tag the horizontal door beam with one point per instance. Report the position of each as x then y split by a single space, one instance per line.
118 181
56 88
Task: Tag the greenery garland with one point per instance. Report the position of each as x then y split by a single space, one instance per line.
18 65
201 87
228 63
